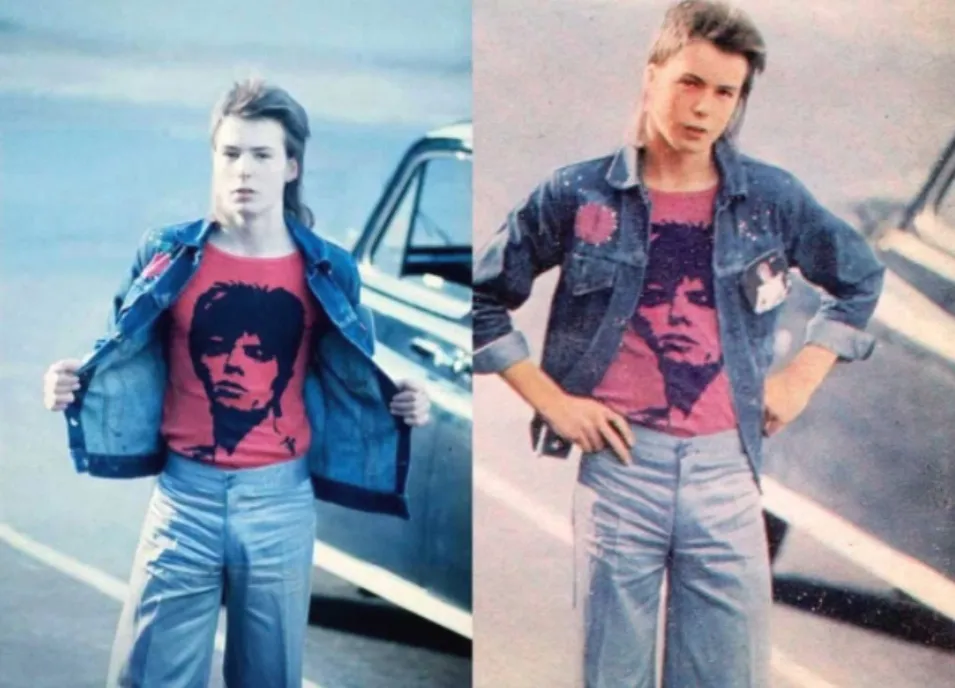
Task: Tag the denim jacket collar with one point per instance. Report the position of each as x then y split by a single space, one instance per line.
626 168
312 246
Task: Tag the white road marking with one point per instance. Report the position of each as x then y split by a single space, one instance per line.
501 490
559 528
902 571
393 588
936 231
86 574
909 312
792 671
937 260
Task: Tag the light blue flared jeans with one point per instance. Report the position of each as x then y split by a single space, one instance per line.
251 530
688 510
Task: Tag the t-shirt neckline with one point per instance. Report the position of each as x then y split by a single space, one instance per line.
675 193
235 256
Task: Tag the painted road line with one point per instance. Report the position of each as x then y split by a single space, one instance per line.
935 231
792 671
395 589
913 248
909 312
86 574
499 489
902 571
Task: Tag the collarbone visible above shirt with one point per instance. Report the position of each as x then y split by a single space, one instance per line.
253 243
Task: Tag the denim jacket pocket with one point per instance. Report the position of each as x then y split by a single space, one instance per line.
587 274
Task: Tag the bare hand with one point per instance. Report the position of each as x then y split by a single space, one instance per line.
786 396
60 384
411 403
591 425
787 392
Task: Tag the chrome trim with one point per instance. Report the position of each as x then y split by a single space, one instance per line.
413 294
453 332
397 192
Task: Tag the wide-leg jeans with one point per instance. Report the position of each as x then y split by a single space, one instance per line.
252 530
688 510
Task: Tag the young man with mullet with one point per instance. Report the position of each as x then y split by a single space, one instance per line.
237 366
674 255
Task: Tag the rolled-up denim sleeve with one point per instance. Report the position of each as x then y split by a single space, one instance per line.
834 256
529 243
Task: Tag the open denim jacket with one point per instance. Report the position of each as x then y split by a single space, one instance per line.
761 212
360 453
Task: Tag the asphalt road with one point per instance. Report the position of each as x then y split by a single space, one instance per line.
103 135
833 624
856 102
58 630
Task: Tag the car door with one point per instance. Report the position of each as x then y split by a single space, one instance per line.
415 262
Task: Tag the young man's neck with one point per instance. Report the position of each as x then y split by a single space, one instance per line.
667 169
259 236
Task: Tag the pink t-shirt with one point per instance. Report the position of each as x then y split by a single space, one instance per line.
668 373
238 352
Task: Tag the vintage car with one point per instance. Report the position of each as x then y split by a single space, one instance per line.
414 256
869 469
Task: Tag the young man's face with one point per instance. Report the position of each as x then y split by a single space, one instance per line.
692 96
249 166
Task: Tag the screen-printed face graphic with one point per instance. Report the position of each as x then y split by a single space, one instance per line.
229 362
682 306
677 307
243 341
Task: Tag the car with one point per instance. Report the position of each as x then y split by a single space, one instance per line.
414 257
870 467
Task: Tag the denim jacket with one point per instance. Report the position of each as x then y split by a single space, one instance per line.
760 212
360 453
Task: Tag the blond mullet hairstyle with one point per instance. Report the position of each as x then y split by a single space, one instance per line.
726 27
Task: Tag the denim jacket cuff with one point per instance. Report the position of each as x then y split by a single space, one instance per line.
501 354
849 343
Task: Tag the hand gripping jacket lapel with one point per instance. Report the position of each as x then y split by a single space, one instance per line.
360 452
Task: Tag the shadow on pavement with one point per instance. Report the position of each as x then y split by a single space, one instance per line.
899 617
383 621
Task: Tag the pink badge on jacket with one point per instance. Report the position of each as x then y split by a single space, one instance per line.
595 223
159 263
